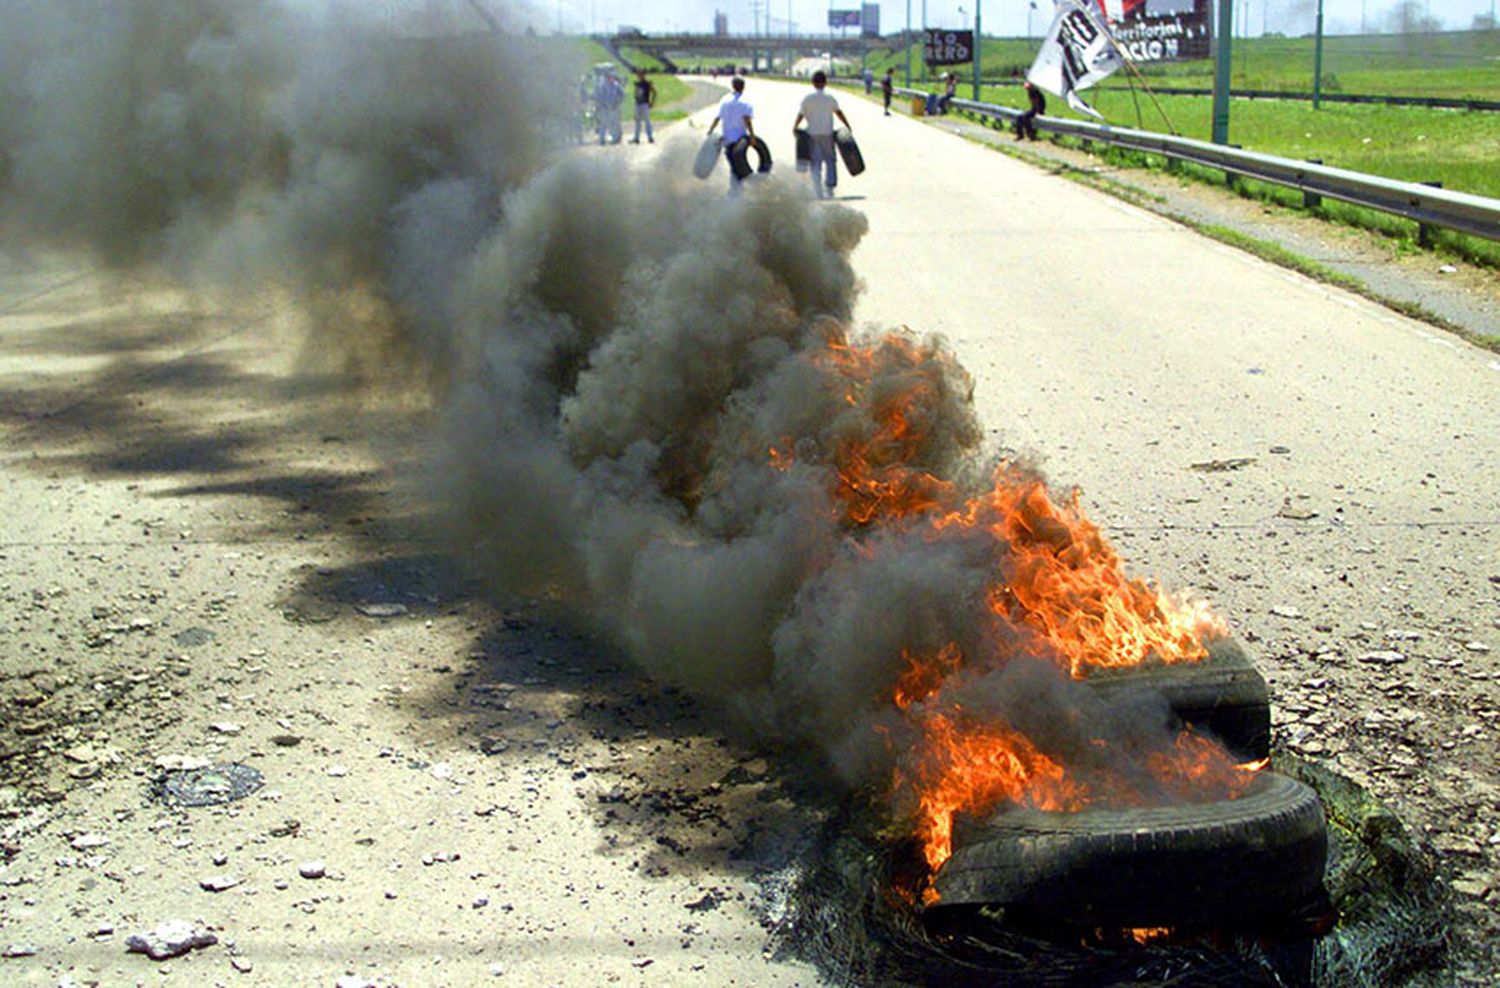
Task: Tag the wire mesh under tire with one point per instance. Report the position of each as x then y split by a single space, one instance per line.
1202 864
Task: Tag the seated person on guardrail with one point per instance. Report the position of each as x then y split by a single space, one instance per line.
818 109
1026 122
950 90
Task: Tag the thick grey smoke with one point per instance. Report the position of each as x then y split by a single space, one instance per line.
643 388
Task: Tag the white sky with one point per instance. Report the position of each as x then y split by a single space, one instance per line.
1001 17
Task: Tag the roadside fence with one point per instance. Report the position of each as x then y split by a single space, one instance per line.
1428 206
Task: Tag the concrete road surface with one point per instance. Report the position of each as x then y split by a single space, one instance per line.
1327 472
202 561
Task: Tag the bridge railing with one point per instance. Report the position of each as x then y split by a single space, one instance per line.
1427 205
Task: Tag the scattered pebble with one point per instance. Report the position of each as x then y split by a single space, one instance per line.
226 727
312 869
241 965
219 883
382 610
172 938
1286 612
1382 657
17 950
87 842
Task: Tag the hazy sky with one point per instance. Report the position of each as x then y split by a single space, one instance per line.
1005 17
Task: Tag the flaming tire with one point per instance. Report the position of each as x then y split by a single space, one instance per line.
1223 694
1202 864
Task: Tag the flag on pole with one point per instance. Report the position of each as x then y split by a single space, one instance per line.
1076 53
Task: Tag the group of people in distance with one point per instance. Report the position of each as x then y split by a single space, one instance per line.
604 93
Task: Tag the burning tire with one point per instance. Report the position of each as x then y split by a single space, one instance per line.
1223 694
1199 865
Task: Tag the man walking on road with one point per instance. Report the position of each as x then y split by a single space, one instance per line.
819 109
645 99
888 88
737 116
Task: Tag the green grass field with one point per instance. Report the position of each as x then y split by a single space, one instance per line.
1457 148
1454 64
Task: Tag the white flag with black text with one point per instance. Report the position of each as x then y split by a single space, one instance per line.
1077 53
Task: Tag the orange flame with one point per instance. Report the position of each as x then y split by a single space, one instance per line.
1059 590
1066 583
975 769
1147 934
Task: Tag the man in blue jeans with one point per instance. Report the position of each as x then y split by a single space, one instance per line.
819 109
738 117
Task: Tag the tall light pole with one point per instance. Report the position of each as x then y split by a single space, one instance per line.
908 44
1222 65
1318 59
978 43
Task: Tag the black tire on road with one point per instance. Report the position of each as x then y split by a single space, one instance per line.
1195 865
1223 694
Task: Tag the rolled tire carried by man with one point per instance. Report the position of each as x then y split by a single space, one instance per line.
854 161
739 156
707 157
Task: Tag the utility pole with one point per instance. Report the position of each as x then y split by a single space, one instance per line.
908 44
1222 66
978 45
1318 59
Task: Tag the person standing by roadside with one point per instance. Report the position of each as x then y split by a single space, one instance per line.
819 109
737 116
1026 122
888 88
608 95
645 99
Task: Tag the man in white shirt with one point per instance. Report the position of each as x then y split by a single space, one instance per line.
819 109
737 116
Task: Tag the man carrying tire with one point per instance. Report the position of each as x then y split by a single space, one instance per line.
737 116
819 109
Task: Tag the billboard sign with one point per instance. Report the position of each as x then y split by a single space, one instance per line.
948 47
843 18
869 20
1159 30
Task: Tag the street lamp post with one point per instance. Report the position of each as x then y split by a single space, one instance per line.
978 44
908 44
1318 59
1222 54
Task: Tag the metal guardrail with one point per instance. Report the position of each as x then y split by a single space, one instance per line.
1424 204
1429 102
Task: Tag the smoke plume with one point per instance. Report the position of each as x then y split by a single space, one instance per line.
645 391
